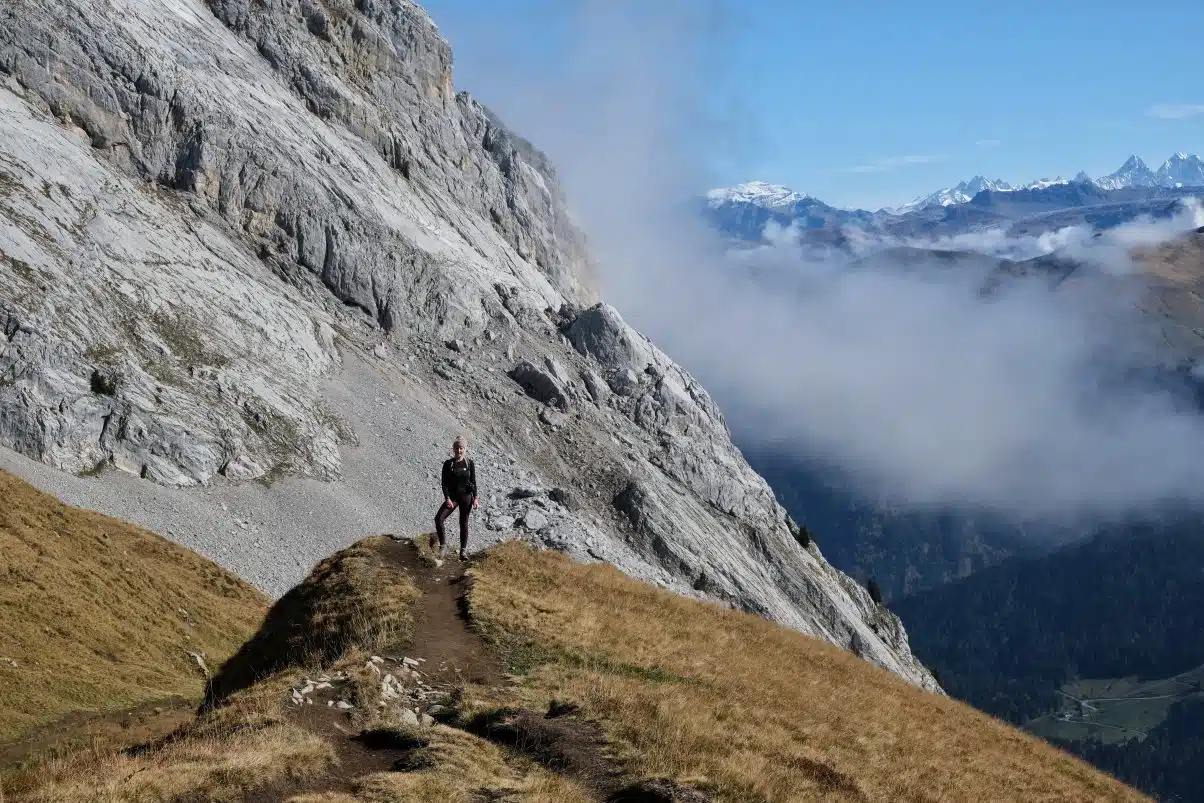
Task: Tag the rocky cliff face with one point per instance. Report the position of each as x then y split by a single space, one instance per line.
208 209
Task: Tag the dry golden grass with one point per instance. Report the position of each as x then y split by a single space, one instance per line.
212 768
464 765
350 605
355 600
246 745
93 612
745 709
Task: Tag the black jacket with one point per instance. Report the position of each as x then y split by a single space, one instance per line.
459 479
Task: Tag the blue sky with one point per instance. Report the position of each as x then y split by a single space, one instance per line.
873 103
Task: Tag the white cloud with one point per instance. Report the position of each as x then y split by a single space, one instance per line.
1107 251
890 163
1175 111
926 390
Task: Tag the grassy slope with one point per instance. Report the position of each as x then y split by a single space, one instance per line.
759 712
724 701
100 615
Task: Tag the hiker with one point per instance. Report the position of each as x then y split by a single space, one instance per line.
459 490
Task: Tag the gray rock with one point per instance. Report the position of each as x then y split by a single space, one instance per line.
563 498
624 382
540 384
556 370
534 520
343 705
239 181
500 523
409 717
601 333
427 720
595 386
552 418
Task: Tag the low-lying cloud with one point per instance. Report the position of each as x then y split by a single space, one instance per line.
915 382
1110 250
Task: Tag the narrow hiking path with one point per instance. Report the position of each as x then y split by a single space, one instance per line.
443 654
386 713
452 652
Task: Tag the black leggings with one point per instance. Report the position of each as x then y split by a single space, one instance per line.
464 503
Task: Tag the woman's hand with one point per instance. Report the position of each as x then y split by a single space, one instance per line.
474 503
450 504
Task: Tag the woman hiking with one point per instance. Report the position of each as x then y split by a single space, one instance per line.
459 490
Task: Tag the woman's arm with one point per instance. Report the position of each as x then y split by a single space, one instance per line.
472 481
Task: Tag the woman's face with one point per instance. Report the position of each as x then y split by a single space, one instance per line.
458 450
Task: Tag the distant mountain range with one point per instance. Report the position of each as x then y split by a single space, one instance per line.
743 211
1180 170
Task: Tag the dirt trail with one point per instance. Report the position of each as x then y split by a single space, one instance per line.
450 654
453 652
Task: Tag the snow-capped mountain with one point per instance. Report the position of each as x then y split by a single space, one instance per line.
1043 183
1133 173
966 190
1181 170
744 211
758 193
960 194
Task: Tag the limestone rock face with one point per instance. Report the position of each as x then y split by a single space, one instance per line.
207 209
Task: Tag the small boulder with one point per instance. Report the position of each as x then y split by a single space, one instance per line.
624 382
553 418
563 498
540 384
595 386
556 370
500 523
534 520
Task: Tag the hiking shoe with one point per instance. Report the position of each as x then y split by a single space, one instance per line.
463 555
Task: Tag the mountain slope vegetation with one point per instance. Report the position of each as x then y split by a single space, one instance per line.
98 615
1019 639
904 551
1128 602
530 677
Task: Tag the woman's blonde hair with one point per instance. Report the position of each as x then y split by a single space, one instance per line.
461 440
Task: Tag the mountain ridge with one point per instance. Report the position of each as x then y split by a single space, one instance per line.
1179 170
270 254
